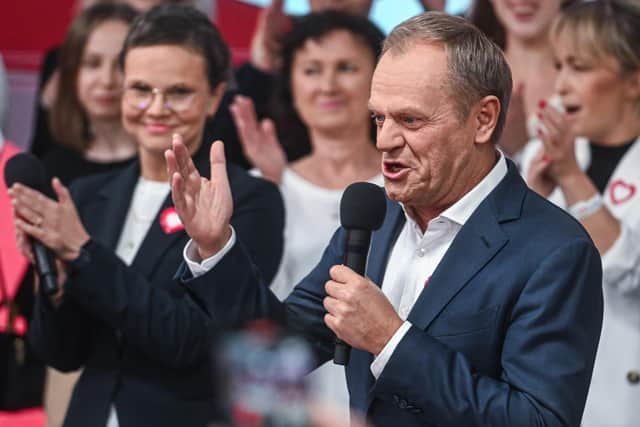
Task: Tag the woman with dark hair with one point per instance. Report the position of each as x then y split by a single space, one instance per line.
327 63
142 337
85 120
596 178
85 115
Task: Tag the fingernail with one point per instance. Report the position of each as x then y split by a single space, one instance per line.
546 159
542 103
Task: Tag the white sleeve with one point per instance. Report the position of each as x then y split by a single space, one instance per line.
621 263
199 267
378 364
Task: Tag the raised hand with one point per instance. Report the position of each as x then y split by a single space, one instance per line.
437 5
54 223
266 42
204 205
358 312
537 177
259 141
558 142
514 135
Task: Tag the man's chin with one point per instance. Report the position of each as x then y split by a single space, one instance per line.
394 194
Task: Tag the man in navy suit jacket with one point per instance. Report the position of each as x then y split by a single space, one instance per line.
482 304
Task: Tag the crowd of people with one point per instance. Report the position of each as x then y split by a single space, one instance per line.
191 198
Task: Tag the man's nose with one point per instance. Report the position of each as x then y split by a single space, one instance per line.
388 136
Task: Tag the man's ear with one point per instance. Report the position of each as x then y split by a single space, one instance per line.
487 111
213 101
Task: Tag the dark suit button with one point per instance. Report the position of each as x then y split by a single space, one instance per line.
633 377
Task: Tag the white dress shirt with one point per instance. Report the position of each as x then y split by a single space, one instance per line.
147 199
414 257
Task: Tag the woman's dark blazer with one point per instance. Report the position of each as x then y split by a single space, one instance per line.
141 336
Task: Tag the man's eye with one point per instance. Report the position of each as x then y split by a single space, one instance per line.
378 119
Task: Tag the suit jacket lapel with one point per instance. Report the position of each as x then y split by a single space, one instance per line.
479 240
156 242
382 242
115 194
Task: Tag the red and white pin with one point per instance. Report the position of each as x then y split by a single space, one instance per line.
170 221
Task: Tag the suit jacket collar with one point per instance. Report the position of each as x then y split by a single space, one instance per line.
116 196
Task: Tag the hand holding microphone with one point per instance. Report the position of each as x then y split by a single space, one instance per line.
54 227
357 310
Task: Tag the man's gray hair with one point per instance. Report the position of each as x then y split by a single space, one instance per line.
476 66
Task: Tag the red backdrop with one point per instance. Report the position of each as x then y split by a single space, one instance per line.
30 27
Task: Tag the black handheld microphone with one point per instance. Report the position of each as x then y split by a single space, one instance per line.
362 210
28 170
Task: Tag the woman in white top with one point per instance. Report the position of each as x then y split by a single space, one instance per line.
327 63
597 178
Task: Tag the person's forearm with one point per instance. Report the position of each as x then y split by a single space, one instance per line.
151 317
601 225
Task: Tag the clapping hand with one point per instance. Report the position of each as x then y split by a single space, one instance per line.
557 159
259 141
514 135
272 24
54 223
204 205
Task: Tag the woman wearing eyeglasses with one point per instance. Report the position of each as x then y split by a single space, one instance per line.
141 336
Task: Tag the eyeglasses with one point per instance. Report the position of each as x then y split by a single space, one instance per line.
176 99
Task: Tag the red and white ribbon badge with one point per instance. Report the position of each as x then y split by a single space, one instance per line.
170 221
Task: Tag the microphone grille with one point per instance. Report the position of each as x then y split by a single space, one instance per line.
363 206
26 169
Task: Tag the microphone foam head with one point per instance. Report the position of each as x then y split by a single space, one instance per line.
363 206
27 170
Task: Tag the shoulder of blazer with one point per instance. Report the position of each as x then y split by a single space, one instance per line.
512 200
